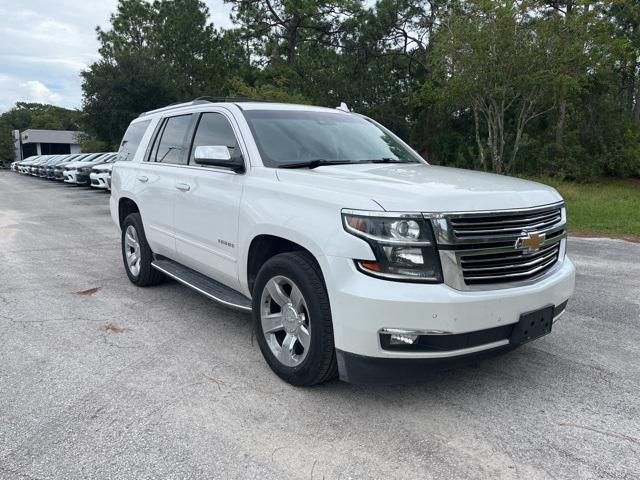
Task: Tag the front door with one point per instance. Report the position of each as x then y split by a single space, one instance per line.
207 203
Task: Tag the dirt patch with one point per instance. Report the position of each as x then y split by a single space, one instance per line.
90 291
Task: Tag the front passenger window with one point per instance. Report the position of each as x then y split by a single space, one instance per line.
214 129
171 148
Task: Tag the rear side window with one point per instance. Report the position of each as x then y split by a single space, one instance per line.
214 129
170 146
131 140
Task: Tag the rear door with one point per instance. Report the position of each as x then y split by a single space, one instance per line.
207 202
155 179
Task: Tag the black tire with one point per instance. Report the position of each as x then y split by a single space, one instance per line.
319 365
147 275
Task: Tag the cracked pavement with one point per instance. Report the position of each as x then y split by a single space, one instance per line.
101 379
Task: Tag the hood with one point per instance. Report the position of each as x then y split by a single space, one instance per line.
425 188
81 164
103 168
70 164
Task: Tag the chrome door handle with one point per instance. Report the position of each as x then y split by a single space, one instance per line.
184 187
143 179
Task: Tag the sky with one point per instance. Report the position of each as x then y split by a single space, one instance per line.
45 44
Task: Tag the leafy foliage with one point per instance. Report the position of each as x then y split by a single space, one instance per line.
511 86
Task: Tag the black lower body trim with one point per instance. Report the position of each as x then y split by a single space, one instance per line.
360 369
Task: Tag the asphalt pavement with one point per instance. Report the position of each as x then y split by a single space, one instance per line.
101 379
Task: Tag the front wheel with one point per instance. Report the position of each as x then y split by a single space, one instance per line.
292 319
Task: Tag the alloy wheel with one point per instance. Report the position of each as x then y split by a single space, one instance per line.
285 321
132 250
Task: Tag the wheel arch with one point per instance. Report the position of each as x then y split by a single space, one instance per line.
126 206
265 246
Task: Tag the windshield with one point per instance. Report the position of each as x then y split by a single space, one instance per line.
286 137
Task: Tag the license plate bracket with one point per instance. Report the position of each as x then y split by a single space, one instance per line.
532 325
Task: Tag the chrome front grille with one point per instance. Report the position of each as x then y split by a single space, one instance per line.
508 266
498 226
499 249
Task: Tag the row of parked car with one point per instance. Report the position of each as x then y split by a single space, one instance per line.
86 169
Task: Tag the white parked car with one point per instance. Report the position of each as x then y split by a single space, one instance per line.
355 257
101 174
78 172
25 165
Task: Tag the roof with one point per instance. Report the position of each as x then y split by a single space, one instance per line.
49 136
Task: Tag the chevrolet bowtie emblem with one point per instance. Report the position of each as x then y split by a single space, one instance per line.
531 242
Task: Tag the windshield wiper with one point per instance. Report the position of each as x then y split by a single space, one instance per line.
311 164
384 160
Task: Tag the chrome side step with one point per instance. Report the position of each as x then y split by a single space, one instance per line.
202 284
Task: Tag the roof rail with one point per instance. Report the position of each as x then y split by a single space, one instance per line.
226 99
171 106
198 100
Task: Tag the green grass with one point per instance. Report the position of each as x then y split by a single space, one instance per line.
608 207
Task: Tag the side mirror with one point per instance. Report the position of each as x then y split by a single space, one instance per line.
218 156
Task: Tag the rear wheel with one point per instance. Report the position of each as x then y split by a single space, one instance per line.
137 254
292 319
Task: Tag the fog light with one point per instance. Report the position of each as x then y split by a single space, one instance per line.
403 339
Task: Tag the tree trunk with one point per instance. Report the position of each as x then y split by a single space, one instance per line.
483 160
493 135
516 146
292 40
636 105
562 114
499 114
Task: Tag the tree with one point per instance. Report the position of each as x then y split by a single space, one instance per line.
624 25
116 93
7 148
278 28
155 54
511 86
495 63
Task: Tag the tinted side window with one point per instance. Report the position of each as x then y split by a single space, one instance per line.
171 148
131 140
214 129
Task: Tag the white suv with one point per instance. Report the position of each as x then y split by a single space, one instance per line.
353 254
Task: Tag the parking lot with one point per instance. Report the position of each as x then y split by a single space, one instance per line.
101 379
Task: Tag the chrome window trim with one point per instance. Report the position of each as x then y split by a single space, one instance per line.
197 112
192 167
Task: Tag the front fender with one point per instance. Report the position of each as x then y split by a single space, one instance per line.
309 217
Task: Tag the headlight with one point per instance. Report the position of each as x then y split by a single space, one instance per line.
404 246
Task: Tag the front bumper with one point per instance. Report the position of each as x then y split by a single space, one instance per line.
100 180
362 306
70 176
82 178
361 369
